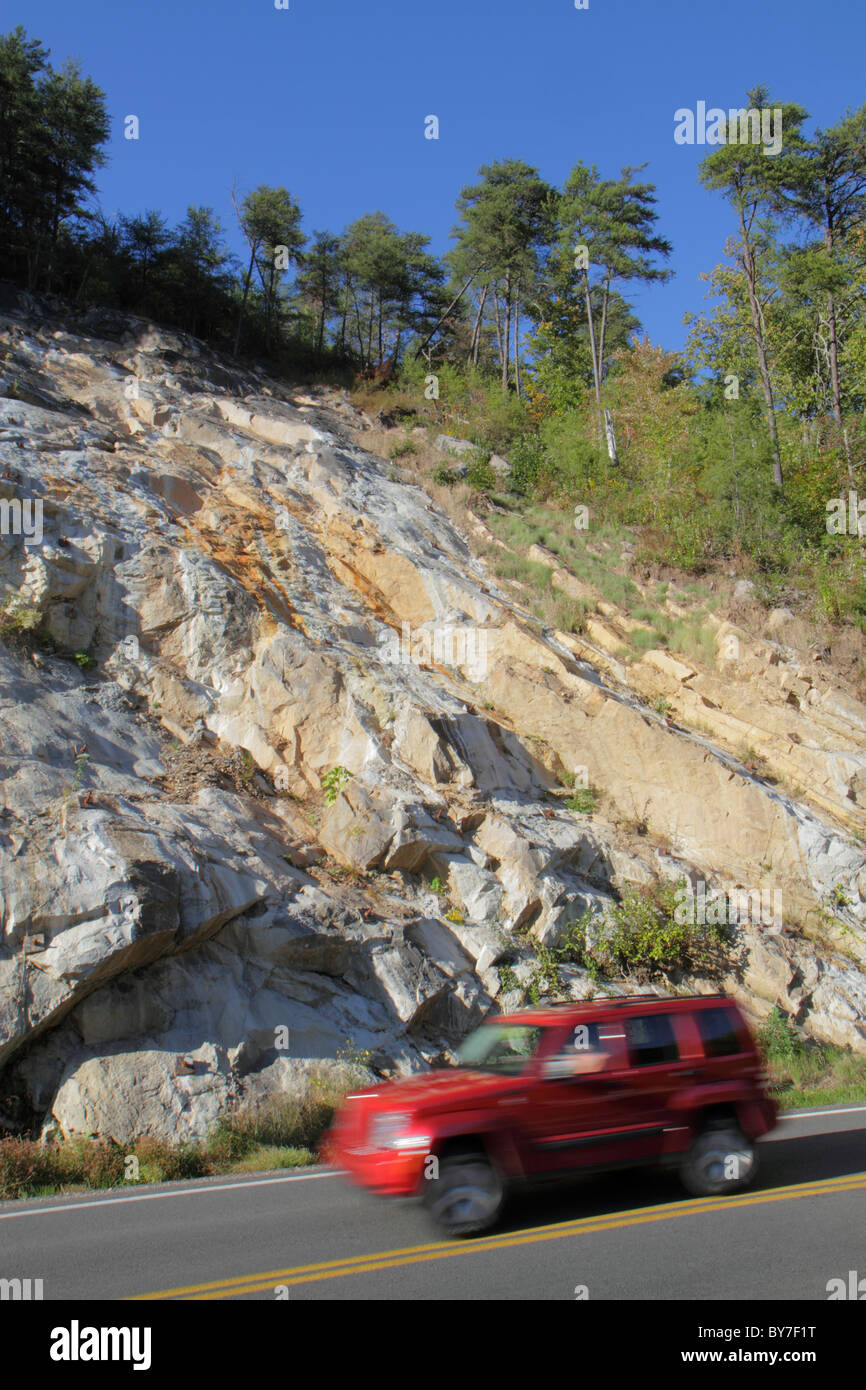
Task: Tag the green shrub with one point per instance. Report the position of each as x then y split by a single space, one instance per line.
779 1039
583 801
446 477
639 938
571 469
21 627
401 447
479 475
527 457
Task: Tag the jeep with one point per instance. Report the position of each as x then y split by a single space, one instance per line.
563 1090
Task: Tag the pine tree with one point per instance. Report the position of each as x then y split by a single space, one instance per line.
503 235
825 185
605 236
753 181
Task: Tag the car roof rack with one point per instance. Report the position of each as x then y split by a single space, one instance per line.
621 1000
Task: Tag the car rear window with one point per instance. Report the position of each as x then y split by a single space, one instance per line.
651 1040
719 1034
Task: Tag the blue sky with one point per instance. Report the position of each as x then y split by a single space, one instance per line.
328 98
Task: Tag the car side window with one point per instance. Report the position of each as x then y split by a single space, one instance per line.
651 1040
581 1052
718 1030
583 1038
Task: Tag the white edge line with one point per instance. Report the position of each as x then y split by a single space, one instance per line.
175 1192
296 1177
815 1114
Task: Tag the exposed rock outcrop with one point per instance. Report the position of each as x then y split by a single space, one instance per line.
255 605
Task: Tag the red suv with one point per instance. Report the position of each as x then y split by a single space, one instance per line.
563 1090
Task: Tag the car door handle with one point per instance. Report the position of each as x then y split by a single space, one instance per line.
513 1100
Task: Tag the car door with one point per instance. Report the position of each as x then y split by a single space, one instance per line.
660 1066
579 1118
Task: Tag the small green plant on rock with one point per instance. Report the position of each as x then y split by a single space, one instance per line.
335 782
81 761
401 447
21 627
508 981
355 1058
583 801
545 978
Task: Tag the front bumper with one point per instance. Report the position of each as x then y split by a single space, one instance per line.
389 1172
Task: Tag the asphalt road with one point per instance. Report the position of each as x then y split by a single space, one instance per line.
310 1235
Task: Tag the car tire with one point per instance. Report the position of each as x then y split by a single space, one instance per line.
467 1196
707 1169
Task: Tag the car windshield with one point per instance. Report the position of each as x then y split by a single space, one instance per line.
502 1048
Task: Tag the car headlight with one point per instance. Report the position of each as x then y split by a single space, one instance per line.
391 1131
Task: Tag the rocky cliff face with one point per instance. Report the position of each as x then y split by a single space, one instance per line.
261 607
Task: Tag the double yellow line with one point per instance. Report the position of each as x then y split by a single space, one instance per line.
421 1254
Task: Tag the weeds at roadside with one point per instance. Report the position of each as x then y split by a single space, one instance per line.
804 1072
282 1131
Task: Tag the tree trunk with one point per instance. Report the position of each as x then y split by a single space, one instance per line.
476 331
344 311
834 351
760 344
360 329
834 377
497 322
380 326
268 288
444 316
601 335
320 334
595 369
244 300
506 338
517 340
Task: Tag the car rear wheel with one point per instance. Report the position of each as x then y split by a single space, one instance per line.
719 1161
467 1196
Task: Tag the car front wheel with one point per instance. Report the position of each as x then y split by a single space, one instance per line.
719 1161
467 1196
